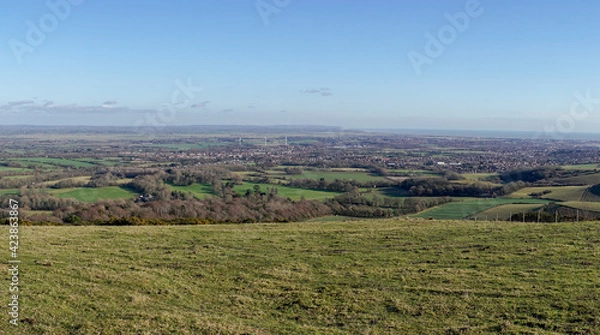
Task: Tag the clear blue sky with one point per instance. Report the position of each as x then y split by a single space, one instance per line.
516 65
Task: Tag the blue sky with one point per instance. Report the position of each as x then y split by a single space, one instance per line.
516 65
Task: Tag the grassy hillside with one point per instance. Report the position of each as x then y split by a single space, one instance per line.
464 209
562 193
587 179
360 277
588 206
503 212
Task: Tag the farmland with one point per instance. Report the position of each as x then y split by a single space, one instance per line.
589 178
94 194
357 174
198 190
9 191
588 206
359 277
464 209
287 192
561 193
331 176
49 162
504 212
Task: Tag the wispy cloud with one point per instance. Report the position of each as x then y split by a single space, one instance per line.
30 106
11 104
200 104
322 91
109 104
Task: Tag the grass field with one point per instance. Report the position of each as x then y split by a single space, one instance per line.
363 277
334 218
331 176
96 161
590 196
9 191
562 193
293 193
588 206
587 179
53 162
477 176
414 172
503 212
74 179
14 169
393 192
582 166
467 208
200 191
90 194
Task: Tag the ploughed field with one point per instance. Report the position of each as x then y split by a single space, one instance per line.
358 277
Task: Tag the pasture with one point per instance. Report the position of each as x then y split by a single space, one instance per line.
504 212
53 162
332 175
360 277
478 176
199 191
588 178
592 166
9 191
293 193
464 209
91 194
561 193
588 206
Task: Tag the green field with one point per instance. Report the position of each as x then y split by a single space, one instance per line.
14 169
17 177
582 166
393 192
588 206
96 161
74 179
478 176
467 208
200 191
52 162
90 194
503 212
590 196
293 193
587 179
9 191
413 172
331 176
362 277
334 218
562 193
